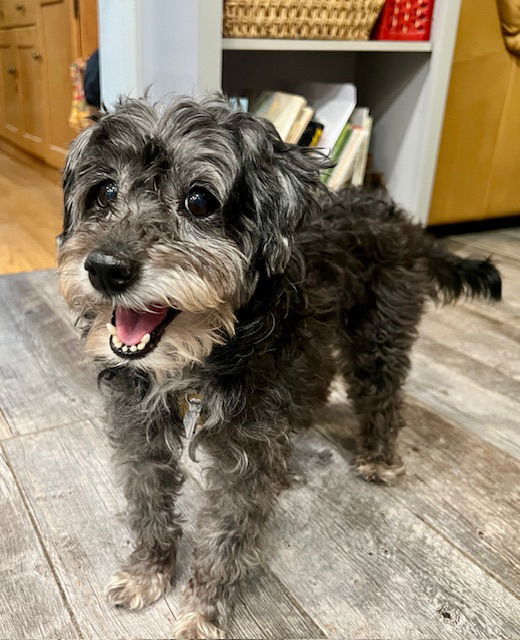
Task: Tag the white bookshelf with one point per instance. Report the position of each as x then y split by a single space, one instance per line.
176 46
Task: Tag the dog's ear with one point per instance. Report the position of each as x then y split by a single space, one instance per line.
76 151
280 186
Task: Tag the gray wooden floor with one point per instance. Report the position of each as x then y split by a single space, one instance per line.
435 557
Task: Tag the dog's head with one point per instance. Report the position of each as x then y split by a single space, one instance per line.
171 218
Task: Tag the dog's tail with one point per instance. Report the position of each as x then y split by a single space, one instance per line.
454 276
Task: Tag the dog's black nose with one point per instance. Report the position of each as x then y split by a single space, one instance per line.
111 273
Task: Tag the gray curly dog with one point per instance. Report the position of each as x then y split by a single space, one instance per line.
220 287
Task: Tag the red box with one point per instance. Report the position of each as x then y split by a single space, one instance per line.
405 20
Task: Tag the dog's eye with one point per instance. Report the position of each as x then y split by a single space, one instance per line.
106 193
200 202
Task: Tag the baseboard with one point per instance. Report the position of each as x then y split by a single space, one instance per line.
488 224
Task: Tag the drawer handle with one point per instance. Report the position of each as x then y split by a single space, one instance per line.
19 6
37 55
11 69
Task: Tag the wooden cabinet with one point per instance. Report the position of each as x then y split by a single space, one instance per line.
31 79
10 101
2 14
56 31
477 168
87 22
38 42
23 118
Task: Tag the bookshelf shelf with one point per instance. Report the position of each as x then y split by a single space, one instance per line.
260 44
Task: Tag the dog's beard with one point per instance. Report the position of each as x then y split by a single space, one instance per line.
192 314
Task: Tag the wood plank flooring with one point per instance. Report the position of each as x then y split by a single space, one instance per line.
30 216
436 556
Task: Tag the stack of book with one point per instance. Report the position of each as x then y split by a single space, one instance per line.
325 116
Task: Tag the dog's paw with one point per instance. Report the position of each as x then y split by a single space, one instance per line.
136 590
194 626
378 471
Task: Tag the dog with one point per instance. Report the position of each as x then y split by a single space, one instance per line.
220 287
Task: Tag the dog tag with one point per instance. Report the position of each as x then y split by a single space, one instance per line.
191 418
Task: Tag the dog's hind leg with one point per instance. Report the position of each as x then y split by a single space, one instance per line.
375 361
152 480
244 481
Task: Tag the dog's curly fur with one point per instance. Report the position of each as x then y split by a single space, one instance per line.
279 288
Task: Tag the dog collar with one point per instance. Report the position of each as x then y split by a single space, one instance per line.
190 406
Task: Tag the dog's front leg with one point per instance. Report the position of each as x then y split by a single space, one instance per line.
244 481
152 480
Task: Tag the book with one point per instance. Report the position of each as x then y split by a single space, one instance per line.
317 136
281 108
336 151
343 171
311 136
359 117
300 124
333 104
358 177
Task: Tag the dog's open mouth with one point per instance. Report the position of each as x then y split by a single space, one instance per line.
133 334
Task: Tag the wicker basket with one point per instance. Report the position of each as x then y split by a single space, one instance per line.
301 19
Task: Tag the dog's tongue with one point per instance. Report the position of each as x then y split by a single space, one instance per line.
133 325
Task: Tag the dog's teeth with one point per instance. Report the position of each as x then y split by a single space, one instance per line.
125 348
117 343
111 329
133 348
145 339
141 346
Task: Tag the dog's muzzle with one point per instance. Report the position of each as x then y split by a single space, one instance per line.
132 333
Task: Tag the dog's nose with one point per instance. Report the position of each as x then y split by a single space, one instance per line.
110 273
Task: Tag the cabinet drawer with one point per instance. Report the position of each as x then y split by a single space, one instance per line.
17 13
